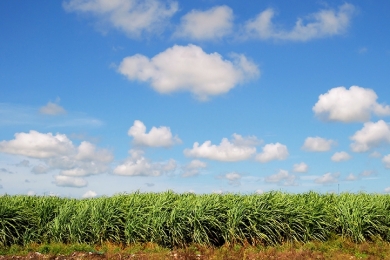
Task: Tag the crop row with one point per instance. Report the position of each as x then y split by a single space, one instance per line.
173 220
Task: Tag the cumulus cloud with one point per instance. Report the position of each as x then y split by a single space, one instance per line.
370 136
324 23
212 24
37 145
67 181
328 178
386 161
387 190
193 168
300 167
135 18
157 137
238 149
355 104
283 177
58 152
89 194
189 68
340 157
375 154
272 152
138 165
317 144
52 109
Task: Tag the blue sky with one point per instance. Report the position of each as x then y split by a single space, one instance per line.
101 97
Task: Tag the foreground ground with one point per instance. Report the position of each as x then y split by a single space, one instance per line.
335 249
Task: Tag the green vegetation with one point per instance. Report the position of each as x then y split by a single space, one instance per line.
173 220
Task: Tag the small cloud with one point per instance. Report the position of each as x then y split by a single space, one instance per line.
259 191
318 144
52 109
300 167
157 137
233 178
89 194
387 190
362 50
23 163
351 177
31 193
328 178
367 173
40 169
282 177
375 154
340 157
272 152
217 191
193 168
67 181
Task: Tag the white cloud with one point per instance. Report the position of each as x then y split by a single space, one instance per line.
232 177
300 167
238 149
259 191
324 23
387 190
367 173
138 165
58 152
193 168
212 24
370 136
272 152
189 68
328 178
135 18
52 109
31 193
318 144
386 161
67 181
340 157
89 194
37 145
283 177
157 137
351 177
355 104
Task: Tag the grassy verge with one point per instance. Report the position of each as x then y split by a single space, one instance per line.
335 248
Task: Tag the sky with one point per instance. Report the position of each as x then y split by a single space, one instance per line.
100 97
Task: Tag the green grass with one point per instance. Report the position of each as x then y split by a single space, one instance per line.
173 220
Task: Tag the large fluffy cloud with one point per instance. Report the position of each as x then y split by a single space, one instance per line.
57 152
355 104
38 145
189 68
212 24
138 165
318 144
322 24
238 149
157 137
370 136
272 152
134 17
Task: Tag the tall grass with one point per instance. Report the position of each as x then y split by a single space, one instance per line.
177 220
